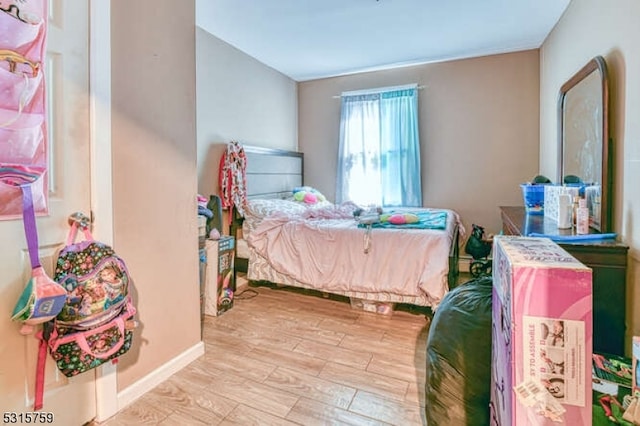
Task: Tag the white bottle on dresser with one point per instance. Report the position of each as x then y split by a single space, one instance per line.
565 211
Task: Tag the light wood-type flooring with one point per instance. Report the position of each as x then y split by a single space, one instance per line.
287 358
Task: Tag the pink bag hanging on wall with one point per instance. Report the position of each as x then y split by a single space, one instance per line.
23 124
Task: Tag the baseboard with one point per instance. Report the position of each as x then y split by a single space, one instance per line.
151 380
464 262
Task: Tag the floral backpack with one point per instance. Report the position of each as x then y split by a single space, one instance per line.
97 283
96 322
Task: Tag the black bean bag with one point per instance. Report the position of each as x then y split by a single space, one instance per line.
458 380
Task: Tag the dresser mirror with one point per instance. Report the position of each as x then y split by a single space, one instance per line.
584 137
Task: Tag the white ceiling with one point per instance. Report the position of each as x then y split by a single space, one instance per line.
311 39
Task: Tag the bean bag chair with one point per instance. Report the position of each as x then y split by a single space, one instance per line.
458 379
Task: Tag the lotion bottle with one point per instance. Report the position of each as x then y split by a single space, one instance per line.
582 217
574 211
565 211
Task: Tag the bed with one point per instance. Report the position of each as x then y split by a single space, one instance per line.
321 246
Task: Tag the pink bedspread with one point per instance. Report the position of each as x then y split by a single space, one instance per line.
324 249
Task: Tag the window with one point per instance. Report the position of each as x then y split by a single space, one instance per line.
379 153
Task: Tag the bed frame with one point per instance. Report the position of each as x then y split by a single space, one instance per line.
272 173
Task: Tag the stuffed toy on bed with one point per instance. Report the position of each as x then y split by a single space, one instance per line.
399 218
308 195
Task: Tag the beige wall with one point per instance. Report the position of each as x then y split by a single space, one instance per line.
239 98
154 176
587 29
479 124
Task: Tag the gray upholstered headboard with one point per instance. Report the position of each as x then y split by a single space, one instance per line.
272 173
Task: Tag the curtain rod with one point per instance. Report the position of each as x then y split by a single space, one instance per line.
379 90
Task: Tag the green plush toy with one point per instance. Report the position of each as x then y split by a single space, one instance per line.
399 218
308 195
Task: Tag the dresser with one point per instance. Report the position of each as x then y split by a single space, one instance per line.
608 261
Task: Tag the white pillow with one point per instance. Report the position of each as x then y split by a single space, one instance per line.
261 208
317 205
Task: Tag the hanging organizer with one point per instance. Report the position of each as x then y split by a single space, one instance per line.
23 119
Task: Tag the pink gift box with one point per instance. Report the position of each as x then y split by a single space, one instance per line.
541 334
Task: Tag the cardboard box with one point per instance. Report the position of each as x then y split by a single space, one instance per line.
612 375
202 274
541 334
202 232
382 308
635 357
219 280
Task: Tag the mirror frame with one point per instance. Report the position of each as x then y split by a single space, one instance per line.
595 65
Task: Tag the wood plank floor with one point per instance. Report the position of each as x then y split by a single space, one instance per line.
287 358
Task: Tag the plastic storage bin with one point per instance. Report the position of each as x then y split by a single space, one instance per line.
533 195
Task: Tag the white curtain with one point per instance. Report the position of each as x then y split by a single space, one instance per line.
379 152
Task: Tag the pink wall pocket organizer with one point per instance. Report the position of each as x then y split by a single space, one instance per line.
23 115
